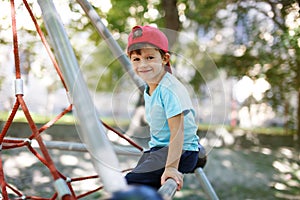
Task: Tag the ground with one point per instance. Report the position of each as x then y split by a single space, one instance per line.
237 171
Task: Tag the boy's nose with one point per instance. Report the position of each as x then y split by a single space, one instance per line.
143 63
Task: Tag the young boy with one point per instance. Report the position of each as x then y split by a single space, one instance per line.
169 112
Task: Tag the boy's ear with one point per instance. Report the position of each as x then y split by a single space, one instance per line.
166 57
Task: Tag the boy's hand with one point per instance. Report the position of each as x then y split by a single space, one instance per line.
171 172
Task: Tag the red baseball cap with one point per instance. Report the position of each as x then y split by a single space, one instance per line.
151 35
148 34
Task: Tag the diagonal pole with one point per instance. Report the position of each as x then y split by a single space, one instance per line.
111 42
91 129
207 187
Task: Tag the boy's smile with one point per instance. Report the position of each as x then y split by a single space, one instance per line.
149 65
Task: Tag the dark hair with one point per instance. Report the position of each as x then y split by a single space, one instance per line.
136 48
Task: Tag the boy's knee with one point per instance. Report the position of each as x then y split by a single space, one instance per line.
143 179
130 178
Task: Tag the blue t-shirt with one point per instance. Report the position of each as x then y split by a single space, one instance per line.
169 99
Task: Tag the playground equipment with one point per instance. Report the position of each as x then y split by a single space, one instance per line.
92 131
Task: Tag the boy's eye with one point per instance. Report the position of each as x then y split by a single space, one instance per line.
150 57
135 59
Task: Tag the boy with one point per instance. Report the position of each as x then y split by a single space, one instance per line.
169 112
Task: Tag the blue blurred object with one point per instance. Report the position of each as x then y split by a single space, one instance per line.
136 193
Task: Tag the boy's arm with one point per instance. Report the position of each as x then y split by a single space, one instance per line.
175 150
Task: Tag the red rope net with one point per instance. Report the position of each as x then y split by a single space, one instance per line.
62 184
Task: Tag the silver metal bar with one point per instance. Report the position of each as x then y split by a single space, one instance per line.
209 190
91 131
168 189
76 146
111 42
80 147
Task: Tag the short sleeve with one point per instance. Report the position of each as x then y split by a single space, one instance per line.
175 101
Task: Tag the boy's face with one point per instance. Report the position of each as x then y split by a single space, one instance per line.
149 64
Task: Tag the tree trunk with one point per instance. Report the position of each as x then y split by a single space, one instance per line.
171 19
286 116
298 88
298 120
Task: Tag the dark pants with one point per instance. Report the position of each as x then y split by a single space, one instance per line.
151 165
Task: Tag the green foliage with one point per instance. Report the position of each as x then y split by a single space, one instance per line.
123 10
203 12
272 53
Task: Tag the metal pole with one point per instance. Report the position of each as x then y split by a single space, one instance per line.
168 189
206 184
110 41
91 129
76 146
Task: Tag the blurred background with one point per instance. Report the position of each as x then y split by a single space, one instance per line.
239 59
